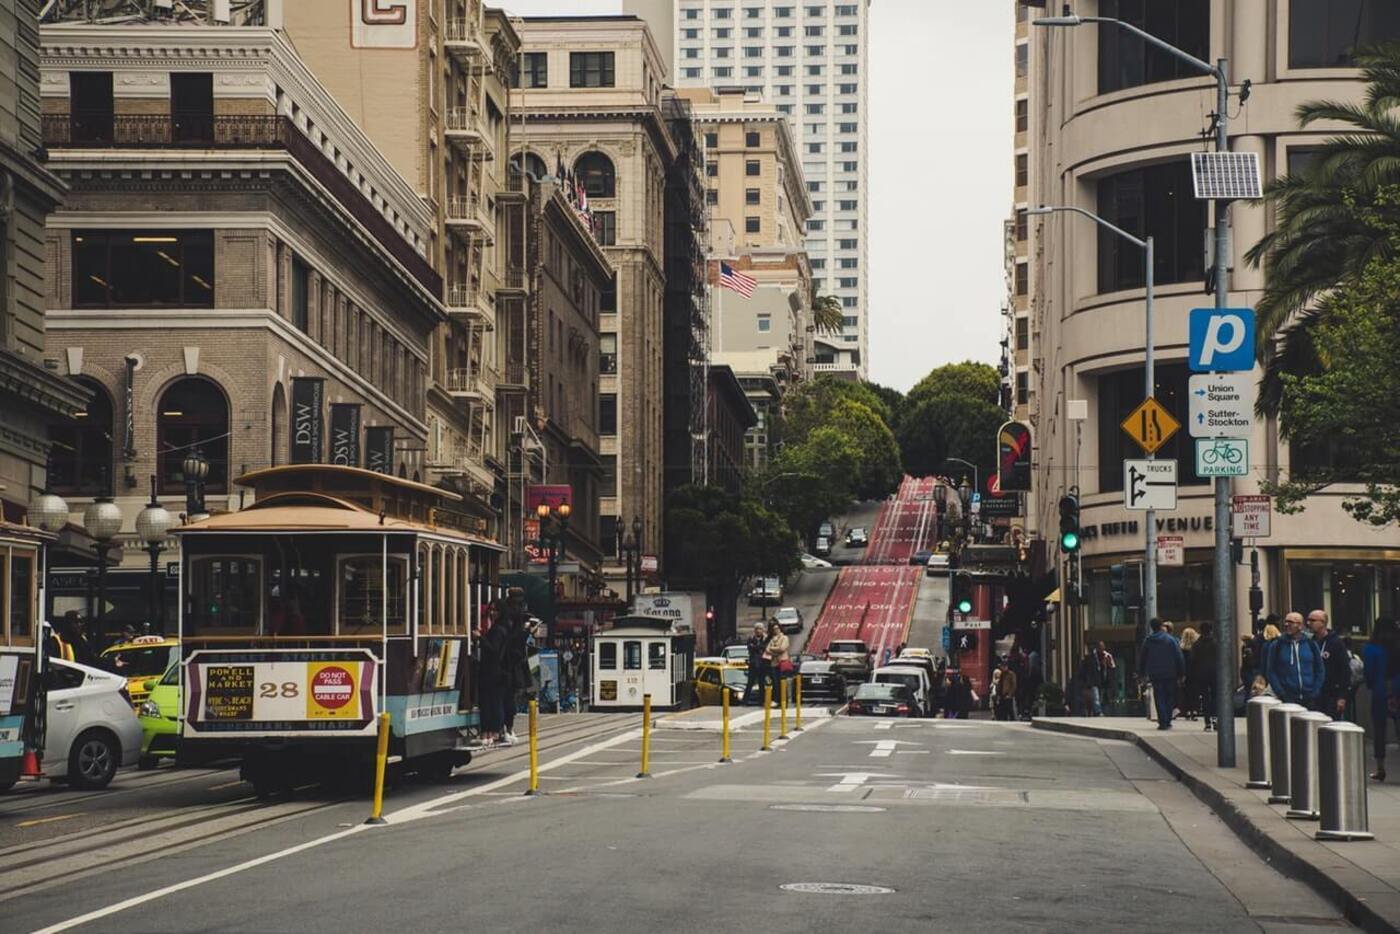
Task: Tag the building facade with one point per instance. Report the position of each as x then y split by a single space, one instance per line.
808 59
237 270
730 418
589 101
1109 126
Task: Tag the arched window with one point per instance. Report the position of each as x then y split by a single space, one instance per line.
595 170
533 164
80 460
192 413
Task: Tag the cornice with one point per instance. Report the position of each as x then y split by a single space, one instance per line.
49 391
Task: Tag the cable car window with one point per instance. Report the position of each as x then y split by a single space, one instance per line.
22 590
656 656
607 655
632 656
225 595
362 596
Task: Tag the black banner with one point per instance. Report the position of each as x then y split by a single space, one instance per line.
379 448
308 420
1014 458
1000 507
345 434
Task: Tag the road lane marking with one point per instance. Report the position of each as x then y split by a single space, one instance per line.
887 725
226 785
973 752
49 820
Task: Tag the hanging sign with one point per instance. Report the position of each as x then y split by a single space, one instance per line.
1014 458
345 434
379 448
308 420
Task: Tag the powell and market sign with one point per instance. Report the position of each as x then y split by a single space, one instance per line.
1134 527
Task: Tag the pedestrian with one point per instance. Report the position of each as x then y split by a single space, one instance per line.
960 697
1381 657
1006 694
517 666
491 674
1091 682
1336 666
1160 659
776 651
1294 666
74 633
1249 661
1189 703
757 663
939 689
1200 674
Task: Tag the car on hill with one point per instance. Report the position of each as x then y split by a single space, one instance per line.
789 619
851 658
767 591
857 538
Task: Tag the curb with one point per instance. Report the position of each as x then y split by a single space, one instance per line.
1242 811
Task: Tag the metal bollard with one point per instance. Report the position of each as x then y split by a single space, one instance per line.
646 737
1341 769
1257 739
724 725
1302 754
381 758
767 702
1278 750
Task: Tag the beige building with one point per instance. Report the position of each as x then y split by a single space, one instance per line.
1108 126
589 102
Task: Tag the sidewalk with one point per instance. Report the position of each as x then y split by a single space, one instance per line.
1360 877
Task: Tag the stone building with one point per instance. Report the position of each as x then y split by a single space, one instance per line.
730 417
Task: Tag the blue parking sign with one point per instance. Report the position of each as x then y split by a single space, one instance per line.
1222 340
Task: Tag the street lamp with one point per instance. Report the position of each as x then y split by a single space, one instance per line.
196 468
1224 574
554 523
49 513
940 500
1149 390
102 520
152 524
629 548
976 478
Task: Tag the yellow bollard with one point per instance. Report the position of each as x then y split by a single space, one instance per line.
381 758
534 748
782 708
724 725
767 703
646 736
797 678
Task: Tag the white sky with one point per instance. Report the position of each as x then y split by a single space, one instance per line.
940 177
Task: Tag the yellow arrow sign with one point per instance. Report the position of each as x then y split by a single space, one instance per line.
1150 425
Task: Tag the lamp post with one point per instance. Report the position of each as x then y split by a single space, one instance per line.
1223 577
152 524
102 520
940 500
554 523
49 513
196 468
629 548
1149 390
976 478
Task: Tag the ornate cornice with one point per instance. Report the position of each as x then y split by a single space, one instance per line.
50 392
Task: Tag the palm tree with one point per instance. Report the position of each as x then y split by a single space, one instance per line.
828 314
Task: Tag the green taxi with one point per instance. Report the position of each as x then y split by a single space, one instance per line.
159 714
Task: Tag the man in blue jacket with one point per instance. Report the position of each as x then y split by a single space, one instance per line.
1295 666
1160 659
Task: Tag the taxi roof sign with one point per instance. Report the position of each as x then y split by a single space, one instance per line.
1150 425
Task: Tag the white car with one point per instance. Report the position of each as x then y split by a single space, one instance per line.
812 562
916 679
92 729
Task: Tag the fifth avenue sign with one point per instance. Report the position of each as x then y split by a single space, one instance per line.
1221 405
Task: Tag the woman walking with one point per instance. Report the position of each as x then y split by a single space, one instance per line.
1190 703
1382 660
1200 675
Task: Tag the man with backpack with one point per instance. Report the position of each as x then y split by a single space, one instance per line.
1294 665
1336 666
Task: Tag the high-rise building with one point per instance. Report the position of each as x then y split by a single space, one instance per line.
809 59
1107 124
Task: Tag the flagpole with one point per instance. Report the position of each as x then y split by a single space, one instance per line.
718 304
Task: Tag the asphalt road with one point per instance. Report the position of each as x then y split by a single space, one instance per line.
959 826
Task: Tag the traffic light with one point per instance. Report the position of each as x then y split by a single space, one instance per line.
962 593
1132 584
1072 593
1118 585
1069 524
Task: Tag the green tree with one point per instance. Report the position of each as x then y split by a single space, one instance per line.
828 314
809 405
946 426
894 402
969 379
812 479
880 468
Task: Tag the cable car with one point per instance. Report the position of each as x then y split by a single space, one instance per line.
20 700
338 594
643 655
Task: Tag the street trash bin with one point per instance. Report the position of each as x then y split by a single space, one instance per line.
1341 776
1302 753
1257 738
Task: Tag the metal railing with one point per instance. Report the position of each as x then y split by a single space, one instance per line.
477 378
515 374
468 208
464 296
461 29
466 119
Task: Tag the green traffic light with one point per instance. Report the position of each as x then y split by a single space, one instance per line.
1069 541
964 606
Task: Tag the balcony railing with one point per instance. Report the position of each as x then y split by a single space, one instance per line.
470 211
475 380
464 127
514 279
470 303
260 131
514 375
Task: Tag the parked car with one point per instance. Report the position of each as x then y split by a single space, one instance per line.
822 682
139 661
857 538
916 679
159 715
925 663
789 619
883 700
714 675
936 565
738 653
827 529
767 591
92 729
823 546
812 562
921 556
851 658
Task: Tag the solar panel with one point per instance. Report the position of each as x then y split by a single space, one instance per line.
1226 176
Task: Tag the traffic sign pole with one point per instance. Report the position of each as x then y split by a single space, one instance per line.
1150 545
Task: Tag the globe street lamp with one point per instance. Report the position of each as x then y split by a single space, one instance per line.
196 468
102 520
554 524
48 513
152 524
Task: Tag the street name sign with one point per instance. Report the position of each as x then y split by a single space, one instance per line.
1251 515
1149 484
1222 457
1221 405
1171 551
1221 340
1150 425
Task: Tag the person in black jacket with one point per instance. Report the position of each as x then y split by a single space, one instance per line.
755 674
1336 667
1200 674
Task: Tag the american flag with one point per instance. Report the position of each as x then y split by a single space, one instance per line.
731 278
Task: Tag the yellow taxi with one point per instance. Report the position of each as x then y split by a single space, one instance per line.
714 675
140 661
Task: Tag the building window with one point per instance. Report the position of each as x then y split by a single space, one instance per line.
751 196
595 171
191 106
1125 61
607 353
765 324
1155 200
846 282
1023 388
691 53
1023 170
1022 278
753 168
846 204
711 140
192 413
1023 60
91 101
712 169
782 12
1323 33
691 72
607 413
1120 393
846 30
607 298
752 225
534 69
590 69
725 72
605 227
721 53
125 268
1023 115
301 308
712 196
849 70
80 455
846 244
1023 333
751 139
1021 221
848 301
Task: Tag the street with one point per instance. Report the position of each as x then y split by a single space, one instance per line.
966 825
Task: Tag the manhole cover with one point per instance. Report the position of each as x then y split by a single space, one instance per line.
835 888
830 808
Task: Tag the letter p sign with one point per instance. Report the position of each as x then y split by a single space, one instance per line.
1222 339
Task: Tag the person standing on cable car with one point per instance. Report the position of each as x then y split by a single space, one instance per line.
490 673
